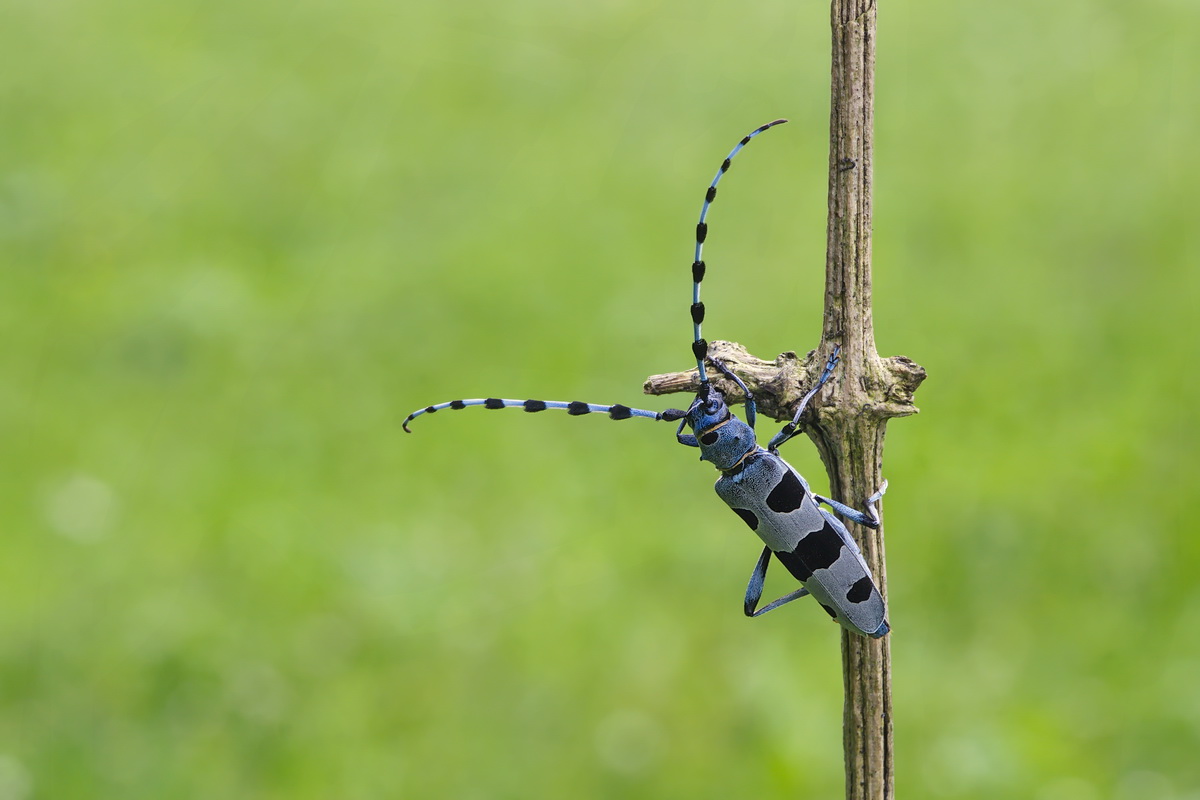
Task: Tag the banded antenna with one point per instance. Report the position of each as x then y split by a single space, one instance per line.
575 409
699 346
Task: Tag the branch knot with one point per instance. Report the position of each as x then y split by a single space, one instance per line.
779 385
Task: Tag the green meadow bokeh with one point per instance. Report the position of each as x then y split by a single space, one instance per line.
240 241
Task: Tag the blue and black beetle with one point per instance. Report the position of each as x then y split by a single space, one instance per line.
764 490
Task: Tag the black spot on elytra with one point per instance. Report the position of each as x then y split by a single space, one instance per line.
700 349
710 438
860 591
534 405
794 565
819 549
788 494
829 611
701 232
748 517
577 409
697 313
619 411
697 271
711 194
493 403
457 405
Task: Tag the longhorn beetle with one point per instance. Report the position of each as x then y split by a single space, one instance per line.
764 490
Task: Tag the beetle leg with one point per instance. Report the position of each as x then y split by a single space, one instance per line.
755 587
870 518
789 430
685 438
751 407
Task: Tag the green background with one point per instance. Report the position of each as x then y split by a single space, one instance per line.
240 241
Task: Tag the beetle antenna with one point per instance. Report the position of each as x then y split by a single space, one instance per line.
699 346
575 409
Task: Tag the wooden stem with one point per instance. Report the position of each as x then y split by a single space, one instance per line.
851 442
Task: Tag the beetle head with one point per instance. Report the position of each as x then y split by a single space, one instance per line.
708 409
723 438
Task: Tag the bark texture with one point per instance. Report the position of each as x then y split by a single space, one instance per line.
848 419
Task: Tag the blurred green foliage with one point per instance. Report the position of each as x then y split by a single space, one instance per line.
239 241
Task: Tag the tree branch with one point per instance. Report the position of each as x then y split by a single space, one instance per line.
847 420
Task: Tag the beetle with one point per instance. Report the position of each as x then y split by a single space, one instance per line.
775 501
766 492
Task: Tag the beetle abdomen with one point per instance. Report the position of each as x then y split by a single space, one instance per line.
775 502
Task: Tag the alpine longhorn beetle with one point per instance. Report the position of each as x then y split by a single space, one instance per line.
764 490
